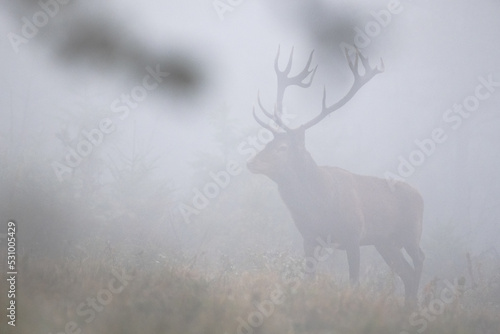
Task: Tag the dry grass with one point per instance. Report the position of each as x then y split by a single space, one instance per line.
167 299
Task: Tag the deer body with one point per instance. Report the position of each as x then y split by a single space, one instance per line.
353 210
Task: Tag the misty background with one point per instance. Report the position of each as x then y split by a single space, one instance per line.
125 196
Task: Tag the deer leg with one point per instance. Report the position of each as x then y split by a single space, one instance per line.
396 261
417 257
353 259
309 264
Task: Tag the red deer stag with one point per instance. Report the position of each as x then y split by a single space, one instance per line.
355 210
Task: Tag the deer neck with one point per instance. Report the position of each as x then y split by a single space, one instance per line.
301 177
307 194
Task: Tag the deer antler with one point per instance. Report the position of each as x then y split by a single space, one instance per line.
285 81
359 81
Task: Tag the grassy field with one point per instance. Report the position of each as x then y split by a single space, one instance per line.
98 296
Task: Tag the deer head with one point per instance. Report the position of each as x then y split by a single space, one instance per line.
275 160
286 153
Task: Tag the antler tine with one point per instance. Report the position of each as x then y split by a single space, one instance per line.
359 81
285 80
262 123
307 71
288 67
267 113
324 99
370 71
353 66
297 80
277 120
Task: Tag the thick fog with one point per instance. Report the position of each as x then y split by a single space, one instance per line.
126 127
